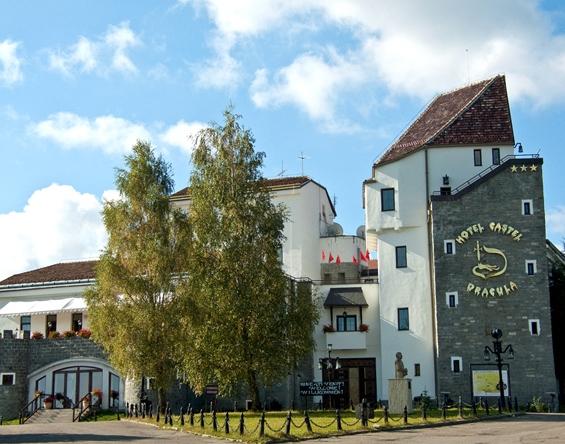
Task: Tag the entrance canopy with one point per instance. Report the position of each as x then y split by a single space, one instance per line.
344 297
47 306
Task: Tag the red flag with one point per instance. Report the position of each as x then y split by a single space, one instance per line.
355 261
331 259
323 255
363 257
368 256
338 260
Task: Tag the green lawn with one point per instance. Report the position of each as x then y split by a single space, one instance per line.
322 422
14 421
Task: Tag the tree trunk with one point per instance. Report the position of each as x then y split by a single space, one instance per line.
254 389
161 399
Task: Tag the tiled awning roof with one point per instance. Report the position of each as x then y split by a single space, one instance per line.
343 297
69 271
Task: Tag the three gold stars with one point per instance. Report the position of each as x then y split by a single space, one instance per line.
523 168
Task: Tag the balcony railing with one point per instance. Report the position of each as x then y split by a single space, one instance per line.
347 340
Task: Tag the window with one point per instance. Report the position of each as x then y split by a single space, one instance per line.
401 257
449 246
327 278
341 278
531 268
25 323
456 364
527 207
416 369
77 321
534 327
452 299
7 378
403 319
51 323
496 156
445 191
478 157
387 199
347 322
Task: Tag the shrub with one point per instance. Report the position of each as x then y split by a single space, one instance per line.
69 334
54 335
328 328
363 327
537 405
37 335
84 333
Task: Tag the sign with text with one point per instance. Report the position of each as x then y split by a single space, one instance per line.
315 388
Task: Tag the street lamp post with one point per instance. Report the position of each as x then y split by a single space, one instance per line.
329 366
497 351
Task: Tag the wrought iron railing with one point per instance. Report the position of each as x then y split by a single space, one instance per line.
31 408
84 407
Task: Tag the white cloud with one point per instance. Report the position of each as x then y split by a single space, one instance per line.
555 219
407 48
182 135
108 133
221 71
111 134
10 63
107 53
58 223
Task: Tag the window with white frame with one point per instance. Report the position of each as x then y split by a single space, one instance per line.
531 267
456 364
534 325
452 299
7 378
449 246
527 207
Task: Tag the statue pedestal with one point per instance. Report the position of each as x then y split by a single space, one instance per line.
399 395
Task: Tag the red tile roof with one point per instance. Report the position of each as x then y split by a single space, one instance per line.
69 271
472 115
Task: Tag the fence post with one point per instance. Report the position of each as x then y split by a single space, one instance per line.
499 406
338 419
509 402
364 421
444 411
191 417
473 406
151 410
143 407
135 410
127 409
262 424
288 420
424 413
307 422
170 416
516 404
386 415
460 406
214 421
487 411
202 418
241 424
158 413
227 425
405 414
181 416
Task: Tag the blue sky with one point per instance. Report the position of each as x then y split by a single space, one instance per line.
337 80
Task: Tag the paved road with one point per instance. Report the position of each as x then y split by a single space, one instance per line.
97 432
530 428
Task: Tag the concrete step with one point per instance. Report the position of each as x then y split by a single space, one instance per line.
51 416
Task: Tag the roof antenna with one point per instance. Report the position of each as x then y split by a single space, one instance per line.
302 157
468 70
281 174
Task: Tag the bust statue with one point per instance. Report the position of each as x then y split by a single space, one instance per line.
399 370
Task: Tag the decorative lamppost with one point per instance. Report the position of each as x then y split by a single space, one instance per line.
329 365
497 351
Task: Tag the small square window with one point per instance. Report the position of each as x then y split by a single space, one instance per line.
7 378
456 364
449 246
403 319
416 369
527 207
452 299
531 268
496 156
478 157
401 261
387 199
534 327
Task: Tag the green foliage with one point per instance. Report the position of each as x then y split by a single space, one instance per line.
537 405
134 307
425 400
245 319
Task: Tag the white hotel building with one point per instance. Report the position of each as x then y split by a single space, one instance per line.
459 146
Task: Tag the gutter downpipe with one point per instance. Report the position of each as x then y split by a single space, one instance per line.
431 274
